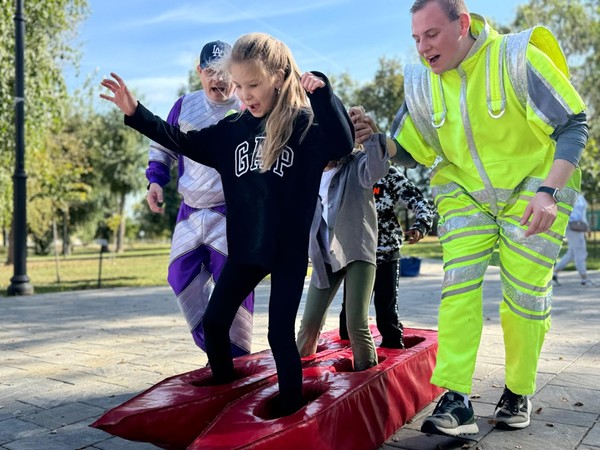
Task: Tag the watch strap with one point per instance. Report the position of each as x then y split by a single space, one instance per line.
549 190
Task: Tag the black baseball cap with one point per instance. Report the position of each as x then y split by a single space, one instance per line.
213 51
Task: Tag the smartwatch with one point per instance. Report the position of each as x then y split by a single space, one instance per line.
554 192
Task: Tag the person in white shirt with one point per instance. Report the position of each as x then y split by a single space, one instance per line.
577 249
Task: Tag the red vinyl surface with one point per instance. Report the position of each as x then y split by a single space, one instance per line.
175 411
349 410
346 410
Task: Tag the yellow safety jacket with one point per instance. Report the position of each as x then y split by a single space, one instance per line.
486 125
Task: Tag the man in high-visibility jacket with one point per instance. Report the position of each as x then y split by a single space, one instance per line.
504 129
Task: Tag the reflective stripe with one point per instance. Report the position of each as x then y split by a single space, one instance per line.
418 102
461 290
464 109
494 79
463 234
438 117
523 314
467 274
524 285
465 209
467 258
529 256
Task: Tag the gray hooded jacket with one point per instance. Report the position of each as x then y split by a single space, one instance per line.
352 217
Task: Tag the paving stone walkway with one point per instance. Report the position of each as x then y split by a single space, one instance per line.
67 358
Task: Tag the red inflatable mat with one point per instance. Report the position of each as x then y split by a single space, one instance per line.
348 410
172 413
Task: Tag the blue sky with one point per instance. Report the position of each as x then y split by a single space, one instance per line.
153 44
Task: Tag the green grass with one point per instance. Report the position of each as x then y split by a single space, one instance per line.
429 248
142 265
146 265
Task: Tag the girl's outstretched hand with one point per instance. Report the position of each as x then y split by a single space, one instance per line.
311 82
121 95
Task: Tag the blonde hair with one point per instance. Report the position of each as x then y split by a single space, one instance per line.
274 59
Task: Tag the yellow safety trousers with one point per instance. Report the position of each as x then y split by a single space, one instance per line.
470 234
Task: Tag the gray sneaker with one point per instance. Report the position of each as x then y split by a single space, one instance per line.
451 417
514 412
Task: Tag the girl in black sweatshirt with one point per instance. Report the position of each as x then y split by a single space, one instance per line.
270 158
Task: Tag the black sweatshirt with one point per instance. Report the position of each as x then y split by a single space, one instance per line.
268 214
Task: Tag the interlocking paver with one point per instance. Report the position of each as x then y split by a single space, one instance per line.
69 357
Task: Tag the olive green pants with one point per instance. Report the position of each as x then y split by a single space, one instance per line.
360 276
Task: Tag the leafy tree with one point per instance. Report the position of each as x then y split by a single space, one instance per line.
383 96
160 225
576 23
118 157
48 48
590 74
58 183
569 20
194 83
345 88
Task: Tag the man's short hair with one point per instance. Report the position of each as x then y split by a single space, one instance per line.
452 8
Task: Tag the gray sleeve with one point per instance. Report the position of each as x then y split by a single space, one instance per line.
402 157
373 164
571 139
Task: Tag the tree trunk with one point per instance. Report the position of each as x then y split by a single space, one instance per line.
121 230
55 245
66 239
10 255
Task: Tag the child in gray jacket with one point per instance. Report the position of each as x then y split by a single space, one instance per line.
343 244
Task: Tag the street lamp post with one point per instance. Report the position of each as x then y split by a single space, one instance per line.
19 283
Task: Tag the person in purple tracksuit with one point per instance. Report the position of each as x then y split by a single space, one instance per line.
199 244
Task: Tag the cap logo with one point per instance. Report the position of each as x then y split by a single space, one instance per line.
217 52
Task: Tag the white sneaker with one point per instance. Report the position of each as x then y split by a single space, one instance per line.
588 282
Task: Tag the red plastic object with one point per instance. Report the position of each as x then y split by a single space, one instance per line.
349 410
175 411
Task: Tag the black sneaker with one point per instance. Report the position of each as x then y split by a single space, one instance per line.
514 412
555 280
451 417
398 344
395 341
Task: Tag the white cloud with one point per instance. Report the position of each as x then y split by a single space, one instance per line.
222 11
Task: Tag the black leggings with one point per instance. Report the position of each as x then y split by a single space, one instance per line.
235 283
